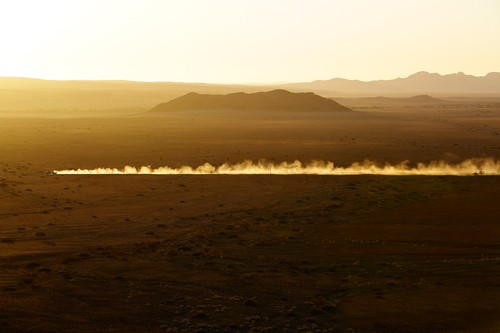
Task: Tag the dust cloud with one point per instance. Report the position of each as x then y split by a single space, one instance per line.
473 166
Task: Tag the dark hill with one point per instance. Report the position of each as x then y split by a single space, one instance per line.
276 100
424 99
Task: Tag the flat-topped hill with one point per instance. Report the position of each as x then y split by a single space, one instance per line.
425 99
275 100
419 99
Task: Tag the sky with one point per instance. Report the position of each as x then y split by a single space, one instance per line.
243 41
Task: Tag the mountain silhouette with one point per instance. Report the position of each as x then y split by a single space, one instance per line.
424 99
381 100
275 100
421 83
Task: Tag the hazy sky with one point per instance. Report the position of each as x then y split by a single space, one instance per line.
247 40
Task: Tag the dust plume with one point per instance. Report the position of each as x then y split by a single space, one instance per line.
474 166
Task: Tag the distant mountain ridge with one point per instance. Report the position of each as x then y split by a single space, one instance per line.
421 83
21 94
419 99
275 100
18 94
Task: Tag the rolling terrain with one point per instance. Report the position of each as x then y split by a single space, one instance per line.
69 97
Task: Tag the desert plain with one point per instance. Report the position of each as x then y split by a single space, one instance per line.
249 253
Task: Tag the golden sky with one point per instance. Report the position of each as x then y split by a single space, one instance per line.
240 41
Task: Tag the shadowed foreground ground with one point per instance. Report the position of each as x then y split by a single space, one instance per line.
229 253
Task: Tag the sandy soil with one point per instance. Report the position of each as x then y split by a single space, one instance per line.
248 253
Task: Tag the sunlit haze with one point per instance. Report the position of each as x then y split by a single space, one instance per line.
478 166
247 41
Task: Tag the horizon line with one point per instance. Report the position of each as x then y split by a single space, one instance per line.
241 83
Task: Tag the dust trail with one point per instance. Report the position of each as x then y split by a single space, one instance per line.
474 166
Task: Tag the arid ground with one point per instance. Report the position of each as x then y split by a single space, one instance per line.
249 253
